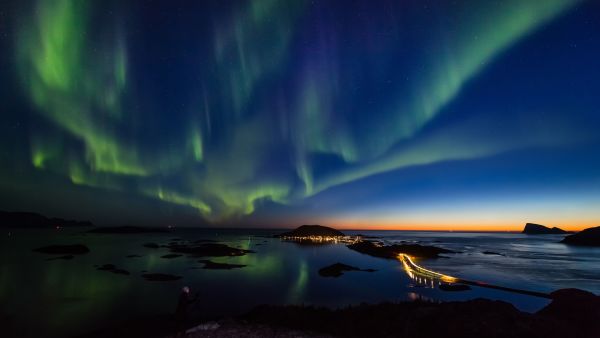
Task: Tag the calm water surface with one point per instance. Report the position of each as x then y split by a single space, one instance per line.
65 298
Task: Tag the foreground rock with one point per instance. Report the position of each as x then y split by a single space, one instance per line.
160 277
207 250
376 249
33 220
476 318
219 266
312 230
126 230
338 269
538 229
587 237
73 249
572 314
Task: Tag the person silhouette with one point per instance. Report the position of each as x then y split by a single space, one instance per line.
183 309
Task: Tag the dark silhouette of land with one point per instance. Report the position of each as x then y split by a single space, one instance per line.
538 229
338 269
34 220
587 237
377 249
312 230
572 313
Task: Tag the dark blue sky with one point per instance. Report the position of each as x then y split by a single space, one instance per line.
412 114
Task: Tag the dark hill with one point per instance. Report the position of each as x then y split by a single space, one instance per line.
33 220
538 229
587 237
312 230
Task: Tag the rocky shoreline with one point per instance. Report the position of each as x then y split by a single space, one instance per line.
572 313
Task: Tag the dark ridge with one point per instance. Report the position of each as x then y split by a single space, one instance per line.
587 237
127 229
34 220
73 249
312 230
170 256
338 269
133 256
392 251
538 229
219 266
151 245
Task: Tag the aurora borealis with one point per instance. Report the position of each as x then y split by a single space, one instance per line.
393 114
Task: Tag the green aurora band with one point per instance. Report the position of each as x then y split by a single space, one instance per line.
77 75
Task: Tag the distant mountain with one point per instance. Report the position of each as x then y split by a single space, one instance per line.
538 229
587 237
312 230
33 220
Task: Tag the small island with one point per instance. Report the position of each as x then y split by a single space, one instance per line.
312 230
538 229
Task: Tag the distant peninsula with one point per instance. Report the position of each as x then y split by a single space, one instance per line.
312 230
587 237
538 229
34 220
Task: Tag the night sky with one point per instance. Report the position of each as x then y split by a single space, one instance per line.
362 114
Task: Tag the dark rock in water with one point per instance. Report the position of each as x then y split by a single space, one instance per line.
170 256
133 256
376 249
128 229
112 268
33 220
65 257
338 269
219 266
454 287
152 245
312 230
538 229
587 237
492 253
160 277
74 249
208 249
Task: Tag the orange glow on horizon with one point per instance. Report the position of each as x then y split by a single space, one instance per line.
453 226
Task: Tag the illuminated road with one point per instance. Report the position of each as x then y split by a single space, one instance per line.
429 277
